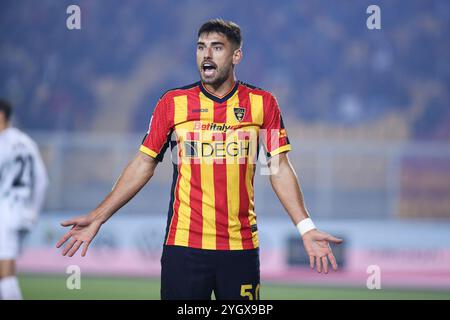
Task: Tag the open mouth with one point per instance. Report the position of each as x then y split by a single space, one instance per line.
209 68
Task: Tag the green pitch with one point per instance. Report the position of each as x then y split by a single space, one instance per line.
54 287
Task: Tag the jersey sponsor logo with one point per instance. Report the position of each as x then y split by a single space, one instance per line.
217 149
198 125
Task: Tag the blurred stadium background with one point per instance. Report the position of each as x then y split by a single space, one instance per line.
367 112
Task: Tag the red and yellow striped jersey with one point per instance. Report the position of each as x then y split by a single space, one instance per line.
214 143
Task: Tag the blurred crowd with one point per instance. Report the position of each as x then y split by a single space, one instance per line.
317 57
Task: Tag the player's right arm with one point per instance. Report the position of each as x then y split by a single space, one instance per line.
84 228
138 172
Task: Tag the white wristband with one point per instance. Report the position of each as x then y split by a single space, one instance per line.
305 225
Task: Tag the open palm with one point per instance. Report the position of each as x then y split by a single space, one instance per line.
83 230
317 247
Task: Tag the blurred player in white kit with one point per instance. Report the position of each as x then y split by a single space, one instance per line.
23 181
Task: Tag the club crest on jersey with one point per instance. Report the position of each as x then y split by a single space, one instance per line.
239 113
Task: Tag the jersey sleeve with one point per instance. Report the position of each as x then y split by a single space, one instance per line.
157 138
40 179
275 139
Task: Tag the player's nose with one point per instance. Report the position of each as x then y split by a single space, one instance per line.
207 53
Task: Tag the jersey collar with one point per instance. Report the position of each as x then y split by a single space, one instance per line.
216 98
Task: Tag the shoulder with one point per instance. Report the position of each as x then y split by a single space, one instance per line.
250 86
15 135
20 137
171 93
257 90
269 100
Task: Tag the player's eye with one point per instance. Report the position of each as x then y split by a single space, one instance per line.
218 48
200 48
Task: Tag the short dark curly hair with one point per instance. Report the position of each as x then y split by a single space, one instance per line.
6 108
228 28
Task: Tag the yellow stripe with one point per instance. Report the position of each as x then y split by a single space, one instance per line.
234 225
148 151
256 102
181 111
184 211
207 178
281 149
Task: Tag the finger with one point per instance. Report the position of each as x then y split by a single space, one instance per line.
85 248
311 262
68 246
333 239
75 248
63 239
318 265
68 223
332 261
325 264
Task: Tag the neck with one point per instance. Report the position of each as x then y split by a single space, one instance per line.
223 88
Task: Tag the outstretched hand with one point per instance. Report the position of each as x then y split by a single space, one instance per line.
317 246
84 229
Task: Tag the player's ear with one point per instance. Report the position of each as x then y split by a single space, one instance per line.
237 56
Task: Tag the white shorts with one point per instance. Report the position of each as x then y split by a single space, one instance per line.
11 241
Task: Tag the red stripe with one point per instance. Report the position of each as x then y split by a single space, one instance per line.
220 112
267 135
220 192
193 103
244 102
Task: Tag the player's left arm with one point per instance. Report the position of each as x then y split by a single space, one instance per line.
287 187
41 181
